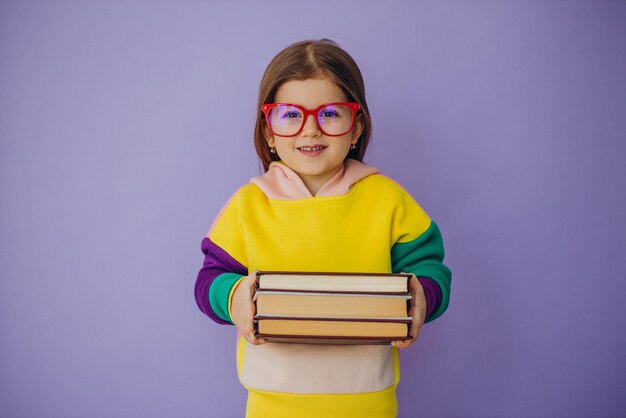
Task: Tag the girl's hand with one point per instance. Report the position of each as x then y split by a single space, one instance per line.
243 309
417 312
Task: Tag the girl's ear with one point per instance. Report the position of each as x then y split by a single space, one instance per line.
267 134
357 129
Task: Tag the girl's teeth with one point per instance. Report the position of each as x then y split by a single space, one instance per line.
311 149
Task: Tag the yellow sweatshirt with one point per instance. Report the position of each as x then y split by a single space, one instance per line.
360 221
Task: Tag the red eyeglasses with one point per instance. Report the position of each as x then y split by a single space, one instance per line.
333 119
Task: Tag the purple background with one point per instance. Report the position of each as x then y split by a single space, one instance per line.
125 126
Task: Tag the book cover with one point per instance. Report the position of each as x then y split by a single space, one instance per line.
332 330
334 282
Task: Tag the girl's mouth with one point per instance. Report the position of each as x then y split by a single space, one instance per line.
312 150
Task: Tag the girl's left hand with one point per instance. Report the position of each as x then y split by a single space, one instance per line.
417 312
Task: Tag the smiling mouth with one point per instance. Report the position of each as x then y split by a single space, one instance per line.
312 149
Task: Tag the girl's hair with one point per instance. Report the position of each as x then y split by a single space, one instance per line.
312 59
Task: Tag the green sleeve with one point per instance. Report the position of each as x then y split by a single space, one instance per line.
219 294
423 257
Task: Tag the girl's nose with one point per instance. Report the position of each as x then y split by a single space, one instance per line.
310 127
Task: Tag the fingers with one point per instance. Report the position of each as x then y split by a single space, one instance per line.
416 325
250 336
416 289
402 343
249 283
246 329
247 326
414 334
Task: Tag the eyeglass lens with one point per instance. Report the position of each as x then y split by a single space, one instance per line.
332 120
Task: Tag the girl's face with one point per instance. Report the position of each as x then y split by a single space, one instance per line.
313 155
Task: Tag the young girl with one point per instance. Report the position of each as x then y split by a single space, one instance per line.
317 208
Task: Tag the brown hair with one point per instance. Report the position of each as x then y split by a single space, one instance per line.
312 59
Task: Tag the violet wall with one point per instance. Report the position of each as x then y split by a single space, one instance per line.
125 126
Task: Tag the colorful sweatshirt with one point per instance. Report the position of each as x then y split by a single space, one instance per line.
360 221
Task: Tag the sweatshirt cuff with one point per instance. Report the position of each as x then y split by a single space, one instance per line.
230 297
432 291
220 294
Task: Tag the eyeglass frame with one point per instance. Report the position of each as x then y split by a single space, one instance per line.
266 108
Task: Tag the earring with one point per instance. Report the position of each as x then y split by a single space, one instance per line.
273 150
353 146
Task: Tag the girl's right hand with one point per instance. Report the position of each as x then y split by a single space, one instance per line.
243 309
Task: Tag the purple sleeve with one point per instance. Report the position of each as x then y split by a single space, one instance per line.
216 262
432 291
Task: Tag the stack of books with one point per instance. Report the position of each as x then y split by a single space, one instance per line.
332 308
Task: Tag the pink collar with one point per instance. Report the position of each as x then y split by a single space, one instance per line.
282 183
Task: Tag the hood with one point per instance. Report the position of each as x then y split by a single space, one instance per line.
282 183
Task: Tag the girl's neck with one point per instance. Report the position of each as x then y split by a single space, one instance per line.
315 183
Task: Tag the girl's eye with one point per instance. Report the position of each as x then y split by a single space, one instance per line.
289 112
290 115
330 113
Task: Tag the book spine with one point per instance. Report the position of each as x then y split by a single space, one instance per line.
327 273
312 338
406 295
259 274
406 320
